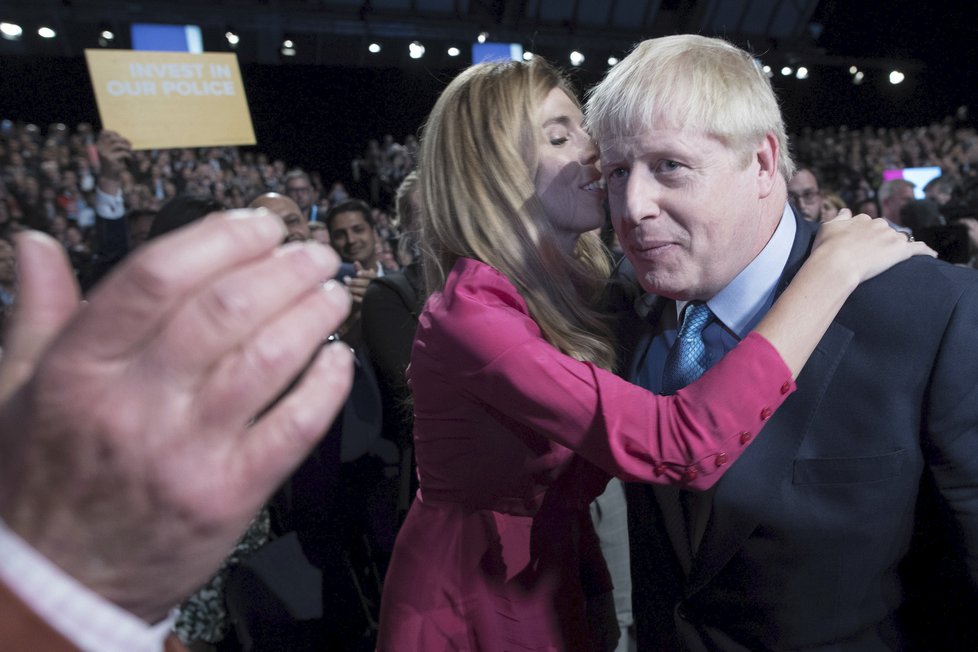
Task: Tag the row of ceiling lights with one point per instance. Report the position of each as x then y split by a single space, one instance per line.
858 76
416 50
13 32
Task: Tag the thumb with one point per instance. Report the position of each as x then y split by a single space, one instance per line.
47 297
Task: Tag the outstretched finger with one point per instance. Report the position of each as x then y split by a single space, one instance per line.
139 296
249 379
224 316
47 297
282 438
922 249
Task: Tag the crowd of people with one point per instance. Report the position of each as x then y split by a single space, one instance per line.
792 442
48 177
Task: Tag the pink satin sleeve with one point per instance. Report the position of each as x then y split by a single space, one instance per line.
689 438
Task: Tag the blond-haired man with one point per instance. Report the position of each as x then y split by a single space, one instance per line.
816 538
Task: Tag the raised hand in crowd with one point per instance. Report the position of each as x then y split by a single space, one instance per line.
114 151
358 284
136 437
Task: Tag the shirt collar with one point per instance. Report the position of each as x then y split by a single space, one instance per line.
742 303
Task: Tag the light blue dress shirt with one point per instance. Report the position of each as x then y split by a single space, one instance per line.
738 307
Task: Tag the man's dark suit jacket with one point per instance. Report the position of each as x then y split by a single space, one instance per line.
851 523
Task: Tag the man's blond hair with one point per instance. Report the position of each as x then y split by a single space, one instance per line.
689 82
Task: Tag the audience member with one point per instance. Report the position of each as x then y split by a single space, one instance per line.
893 194
938 190
319 233
290 212
352 234
8 281
917 214
805 195
139 222
298 186
868 206
390 310
831 205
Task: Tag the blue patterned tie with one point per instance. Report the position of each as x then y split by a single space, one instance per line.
687 359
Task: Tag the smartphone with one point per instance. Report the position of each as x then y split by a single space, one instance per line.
346 269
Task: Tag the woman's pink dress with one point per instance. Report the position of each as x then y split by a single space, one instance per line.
497 552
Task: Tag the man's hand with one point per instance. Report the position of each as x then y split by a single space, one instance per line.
130 452
114 152
351 331
358 284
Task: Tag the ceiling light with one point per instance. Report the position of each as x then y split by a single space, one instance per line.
416 50
612 61
896 77
481 38
576 58
11 31
853 70
288 48
858 77
787 70
802 72
46 32
373 48
233 38
105 36
454 51
767 71
527 55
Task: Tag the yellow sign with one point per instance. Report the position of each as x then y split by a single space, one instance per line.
171 99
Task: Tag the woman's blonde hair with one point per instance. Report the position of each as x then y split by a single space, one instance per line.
479 154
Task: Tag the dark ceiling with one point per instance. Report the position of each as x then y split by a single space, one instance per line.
322 119
336 32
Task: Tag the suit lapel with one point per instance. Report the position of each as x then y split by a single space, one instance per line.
638 323
650 308
751 488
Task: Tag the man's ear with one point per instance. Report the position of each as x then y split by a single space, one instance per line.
767 154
